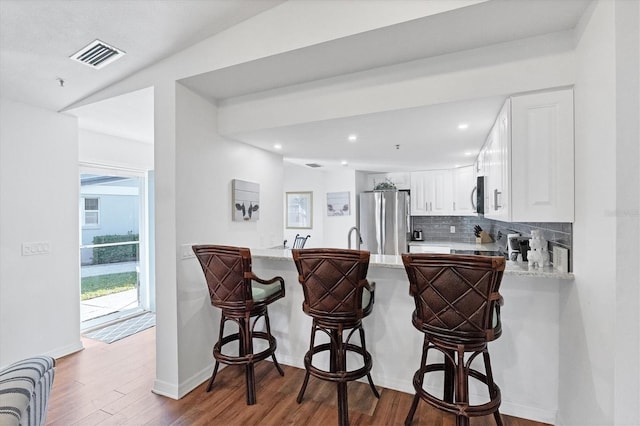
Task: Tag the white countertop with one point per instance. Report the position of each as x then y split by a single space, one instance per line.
395 262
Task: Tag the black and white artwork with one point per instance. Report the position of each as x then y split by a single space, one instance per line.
246 200
338 204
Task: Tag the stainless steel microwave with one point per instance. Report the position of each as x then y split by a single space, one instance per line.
477 196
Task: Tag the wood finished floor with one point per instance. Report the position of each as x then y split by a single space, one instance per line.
110 384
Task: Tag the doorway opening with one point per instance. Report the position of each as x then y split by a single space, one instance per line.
113 245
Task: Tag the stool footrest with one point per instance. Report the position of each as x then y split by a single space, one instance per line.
338 376
244 359
457 408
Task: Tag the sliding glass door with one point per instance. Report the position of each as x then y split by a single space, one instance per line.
112 245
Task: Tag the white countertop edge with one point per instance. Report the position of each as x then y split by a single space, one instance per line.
395 262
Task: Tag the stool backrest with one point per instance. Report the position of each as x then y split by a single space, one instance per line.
333 281
456 296
228 273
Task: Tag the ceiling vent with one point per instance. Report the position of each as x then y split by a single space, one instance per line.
97 54
313 165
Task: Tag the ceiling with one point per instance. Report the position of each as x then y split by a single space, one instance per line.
36 38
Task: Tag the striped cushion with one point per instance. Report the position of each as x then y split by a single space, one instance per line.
24 391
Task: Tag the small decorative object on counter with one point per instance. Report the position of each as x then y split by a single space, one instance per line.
538 255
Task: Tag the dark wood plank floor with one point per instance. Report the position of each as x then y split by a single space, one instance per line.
110 384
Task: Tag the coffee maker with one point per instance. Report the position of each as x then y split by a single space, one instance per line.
517 246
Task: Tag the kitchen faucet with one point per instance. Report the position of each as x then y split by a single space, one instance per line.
358 241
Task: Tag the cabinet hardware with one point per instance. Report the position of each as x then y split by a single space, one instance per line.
496 197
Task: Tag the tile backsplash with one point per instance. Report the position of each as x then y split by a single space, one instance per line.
437 228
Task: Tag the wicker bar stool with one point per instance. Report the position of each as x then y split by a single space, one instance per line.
337 296
243 299
458 310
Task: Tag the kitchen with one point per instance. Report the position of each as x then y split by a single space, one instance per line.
194 171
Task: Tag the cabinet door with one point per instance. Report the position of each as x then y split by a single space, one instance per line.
419 193
431 193
441 200
497 188
464 183
542 155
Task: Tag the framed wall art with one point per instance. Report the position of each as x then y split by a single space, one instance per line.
299 210
245 202
338 204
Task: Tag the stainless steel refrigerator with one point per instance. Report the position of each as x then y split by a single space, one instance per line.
384 221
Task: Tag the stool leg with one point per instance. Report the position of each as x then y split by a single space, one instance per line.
364 348
491 384
416 397
462 388
273 354
223 320
246 345
310 355
449 376
339 363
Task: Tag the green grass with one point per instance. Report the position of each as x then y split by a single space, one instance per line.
102 285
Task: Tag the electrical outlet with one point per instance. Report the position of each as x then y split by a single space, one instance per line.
39 247
452 229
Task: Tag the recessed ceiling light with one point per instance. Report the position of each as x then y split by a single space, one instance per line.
277 146
463 126
468 153
344 162
353 138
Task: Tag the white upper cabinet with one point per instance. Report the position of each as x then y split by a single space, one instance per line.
542 175
497 167
431 193
464 182
528 159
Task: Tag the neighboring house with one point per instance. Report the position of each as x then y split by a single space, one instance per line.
109 205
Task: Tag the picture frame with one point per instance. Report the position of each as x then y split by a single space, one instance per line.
338 203
299 210
245 202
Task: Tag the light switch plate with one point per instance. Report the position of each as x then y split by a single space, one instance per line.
38 247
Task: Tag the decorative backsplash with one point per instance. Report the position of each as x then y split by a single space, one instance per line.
437 228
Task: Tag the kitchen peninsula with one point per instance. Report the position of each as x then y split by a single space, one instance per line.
525 358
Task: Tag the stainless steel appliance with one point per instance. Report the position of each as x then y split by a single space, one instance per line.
477 195
384 222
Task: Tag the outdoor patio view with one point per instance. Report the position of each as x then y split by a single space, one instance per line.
110 245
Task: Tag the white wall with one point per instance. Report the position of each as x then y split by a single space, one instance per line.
304 179
39 294
102 149
327 231
598 316
336 228
204 165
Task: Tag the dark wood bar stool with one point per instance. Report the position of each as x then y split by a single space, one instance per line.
337 296
458 310
243 299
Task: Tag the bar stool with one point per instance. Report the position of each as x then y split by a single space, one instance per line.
242 297
458 310
337 296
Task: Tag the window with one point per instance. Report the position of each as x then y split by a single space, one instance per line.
91 212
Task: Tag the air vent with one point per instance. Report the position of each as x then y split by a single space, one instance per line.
97 54
313 165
